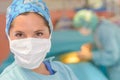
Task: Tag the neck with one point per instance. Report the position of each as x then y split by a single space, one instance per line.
42 70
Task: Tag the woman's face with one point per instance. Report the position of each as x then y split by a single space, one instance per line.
31 25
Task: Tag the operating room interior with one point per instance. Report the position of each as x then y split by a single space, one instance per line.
67 40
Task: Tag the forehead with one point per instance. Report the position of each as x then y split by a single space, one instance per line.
30 16
29 19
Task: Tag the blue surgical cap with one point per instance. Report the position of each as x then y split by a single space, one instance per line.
86 18
18 7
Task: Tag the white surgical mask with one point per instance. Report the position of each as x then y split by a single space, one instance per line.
30 52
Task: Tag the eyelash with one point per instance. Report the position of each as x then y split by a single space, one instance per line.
39 33
18 34
22 35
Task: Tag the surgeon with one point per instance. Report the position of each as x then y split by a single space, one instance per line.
29 31
107 40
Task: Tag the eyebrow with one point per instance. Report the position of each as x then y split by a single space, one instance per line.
39 30
19 31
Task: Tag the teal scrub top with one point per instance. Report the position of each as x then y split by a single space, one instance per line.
15 72
108 54
87 71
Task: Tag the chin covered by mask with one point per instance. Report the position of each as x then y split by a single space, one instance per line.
30 52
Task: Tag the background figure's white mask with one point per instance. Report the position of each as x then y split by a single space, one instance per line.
30 52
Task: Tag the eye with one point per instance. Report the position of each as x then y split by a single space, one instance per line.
19 35
38 34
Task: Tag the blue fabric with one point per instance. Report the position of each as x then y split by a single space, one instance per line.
85 18
21 6
7 62
87 71
108 53
66 41
15 72
48 66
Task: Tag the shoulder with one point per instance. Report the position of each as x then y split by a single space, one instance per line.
106 25
9 72
107 29
63 69
59 66
8 69
56 64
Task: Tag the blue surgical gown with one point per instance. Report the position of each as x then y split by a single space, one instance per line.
108 54
15 72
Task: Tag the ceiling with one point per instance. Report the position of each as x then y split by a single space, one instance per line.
52 4
3 5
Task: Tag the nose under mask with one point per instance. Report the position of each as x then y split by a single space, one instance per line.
30 52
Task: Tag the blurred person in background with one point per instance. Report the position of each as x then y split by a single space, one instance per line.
115 19
64 23
106 39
